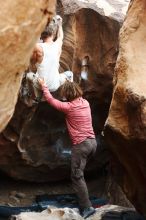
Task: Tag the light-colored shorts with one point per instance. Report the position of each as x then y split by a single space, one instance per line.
67 75
33 78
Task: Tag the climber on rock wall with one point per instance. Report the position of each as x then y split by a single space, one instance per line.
45 60
79 123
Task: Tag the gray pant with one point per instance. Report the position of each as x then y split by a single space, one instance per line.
81 153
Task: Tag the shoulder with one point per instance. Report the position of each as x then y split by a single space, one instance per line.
58 42
37 54
85 101
38 48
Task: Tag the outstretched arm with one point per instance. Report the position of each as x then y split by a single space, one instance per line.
61 106
60 34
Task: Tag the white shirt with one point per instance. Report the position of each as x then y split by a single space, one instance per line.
48 69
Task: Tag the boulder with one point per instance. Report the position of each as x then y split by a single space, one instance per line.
115 9
49 214
125 128
107 212
36 145
20 26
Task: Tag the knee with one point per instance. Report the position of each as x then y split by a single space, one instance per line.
76 174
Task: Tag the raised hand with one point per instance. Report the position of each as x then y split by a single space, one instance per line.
59 19
41 82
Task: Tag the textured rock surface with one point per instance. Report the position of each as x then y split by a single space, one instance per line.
105 212
35 144
115 9
126 124
29 142
20 26
38 149
49 214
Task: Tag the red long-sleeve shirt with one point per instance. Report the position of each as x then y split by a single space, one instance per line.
78 116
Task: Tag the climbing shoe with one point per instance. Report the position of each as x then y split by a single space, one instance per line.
87 212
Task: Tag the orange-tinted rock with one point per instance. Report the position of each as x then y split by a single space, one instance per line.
38 137
126 123
21 23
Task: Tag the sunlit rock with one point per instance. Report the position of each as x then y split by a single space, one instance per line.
126 123
105 212
49 214
115 9
21 23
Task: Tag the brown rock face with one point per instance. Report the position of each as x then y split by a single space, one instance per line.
87 33
20 26
126 124
35 144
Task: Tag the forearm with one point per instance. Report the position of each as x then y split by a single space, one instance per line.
61 106
60 34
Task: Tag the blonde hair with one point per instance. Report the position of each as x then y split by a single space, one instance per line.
70 90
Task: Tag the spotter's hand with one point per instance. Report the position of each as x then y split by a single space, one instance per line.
41 82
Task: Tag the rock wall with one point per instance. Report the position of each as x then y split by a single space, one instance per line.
126 124
35 144
115 9
20 26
